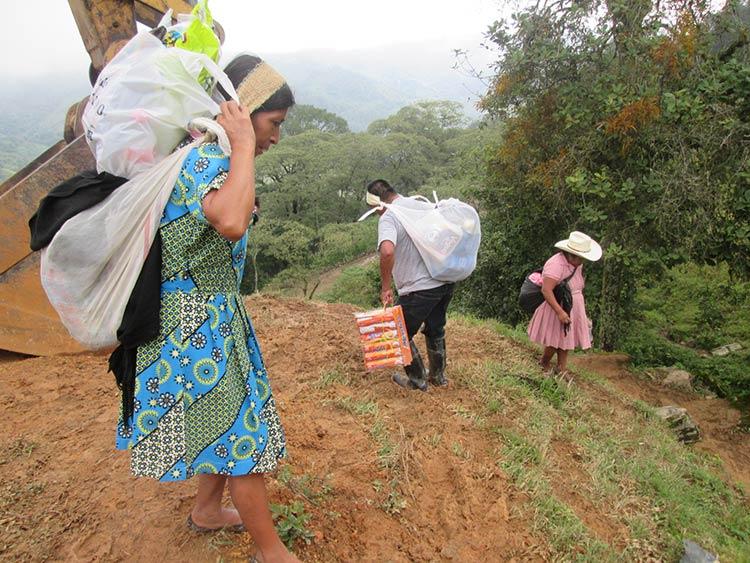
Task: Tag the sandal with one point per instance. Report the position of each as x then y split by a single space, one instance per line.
549 372
565 375
237 528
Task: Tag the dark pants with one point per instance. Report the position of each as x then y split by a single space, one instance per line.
428 306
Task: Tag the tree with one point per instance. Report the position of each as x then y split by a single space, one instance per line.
274 246
624 121
318 178
303 118
434 120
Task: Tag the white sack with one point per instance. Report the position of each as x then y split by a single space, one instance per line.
93 262
142 102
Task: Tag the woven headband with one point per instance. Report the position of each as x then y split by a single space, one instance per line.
262 83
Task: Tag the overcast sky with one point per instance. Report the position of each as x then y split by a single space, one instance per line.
40 36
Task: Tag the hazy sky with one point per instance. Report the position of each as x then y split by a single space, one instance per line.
40 36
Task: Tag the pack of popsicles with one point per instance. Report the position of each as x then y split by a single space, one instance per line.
384 339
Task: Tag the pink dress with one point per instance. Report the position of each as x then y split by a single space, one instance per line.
545 328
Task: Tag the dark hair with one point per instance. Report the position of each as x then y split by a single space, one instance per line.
380 188
242 65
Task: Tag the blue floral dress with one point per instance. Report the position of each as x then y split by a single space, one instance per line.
203 403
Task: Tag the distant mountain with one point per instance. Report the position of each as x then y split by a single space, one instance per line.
32 116
360 86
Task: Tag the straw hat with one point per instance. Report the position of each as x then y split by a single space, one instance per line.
581 245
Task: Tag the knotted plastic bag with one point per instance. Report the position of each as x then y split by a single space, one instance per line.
92 264
446 233
143 100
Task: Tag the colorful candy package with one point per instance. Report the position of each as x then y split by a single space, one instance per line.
384 339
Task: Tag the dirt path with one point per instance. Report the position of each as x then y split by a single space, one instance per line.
329 277
66 494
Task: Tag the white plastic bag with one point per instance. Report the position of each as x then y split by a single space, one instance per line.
142 102
92 264
446 233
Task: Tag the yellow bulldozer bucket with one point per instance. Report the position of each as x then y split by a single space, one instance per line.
28 323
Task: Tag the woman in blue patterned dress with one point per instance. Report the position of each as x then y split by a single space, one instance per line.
203 405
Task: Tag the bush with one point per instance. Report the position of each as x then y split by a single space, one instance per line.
728 376
688 307
291 523
359 285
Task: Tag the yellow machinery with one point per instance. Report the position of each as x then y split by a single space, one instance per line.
28 323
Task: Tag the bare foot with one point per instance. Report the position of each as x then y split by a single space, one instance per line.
225 518
280 555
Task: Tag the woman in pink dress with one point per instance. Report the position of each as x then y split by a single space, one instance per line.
549 322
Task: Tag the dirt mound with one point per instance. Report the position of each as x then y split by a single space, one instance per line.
385 474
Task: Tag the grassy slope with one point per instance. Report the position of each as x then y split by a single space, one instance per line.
653 490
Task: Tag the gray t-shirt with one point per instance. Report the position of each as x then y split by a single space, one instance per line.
409 271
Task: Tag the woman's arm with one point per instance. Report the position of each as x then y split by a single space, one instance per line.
230 209
548 287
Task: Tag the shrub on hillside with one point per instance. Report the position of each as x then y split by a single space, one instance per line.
359 285
728 376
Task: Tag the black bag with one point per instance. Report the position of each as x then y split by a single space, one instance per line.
531 296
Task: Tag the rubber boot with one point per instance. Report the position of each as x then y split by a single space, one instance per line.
414 376
436 356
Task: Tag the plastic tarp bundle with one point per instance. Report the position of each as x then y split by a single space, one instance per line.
143 100
384 339
446 233
92 264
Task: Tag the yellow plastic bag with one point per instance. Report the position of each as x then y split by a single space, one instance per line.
199 35
194 32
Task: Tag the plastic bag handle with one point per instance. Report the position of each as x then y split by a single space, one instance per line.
385 205
166 19
420 198
212 129
221 78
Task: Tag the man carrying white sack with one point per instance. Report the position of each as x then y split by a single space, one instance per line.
423 299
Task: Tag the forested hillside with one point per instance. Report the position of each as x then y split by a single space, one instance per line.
33 114
624 120
361 86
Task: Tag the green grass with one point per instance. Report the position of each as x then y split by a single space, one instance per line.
355 407
311 488
336 375
358 285
633 469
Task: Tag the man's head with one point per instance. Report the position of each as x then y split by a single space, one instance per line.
383 190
